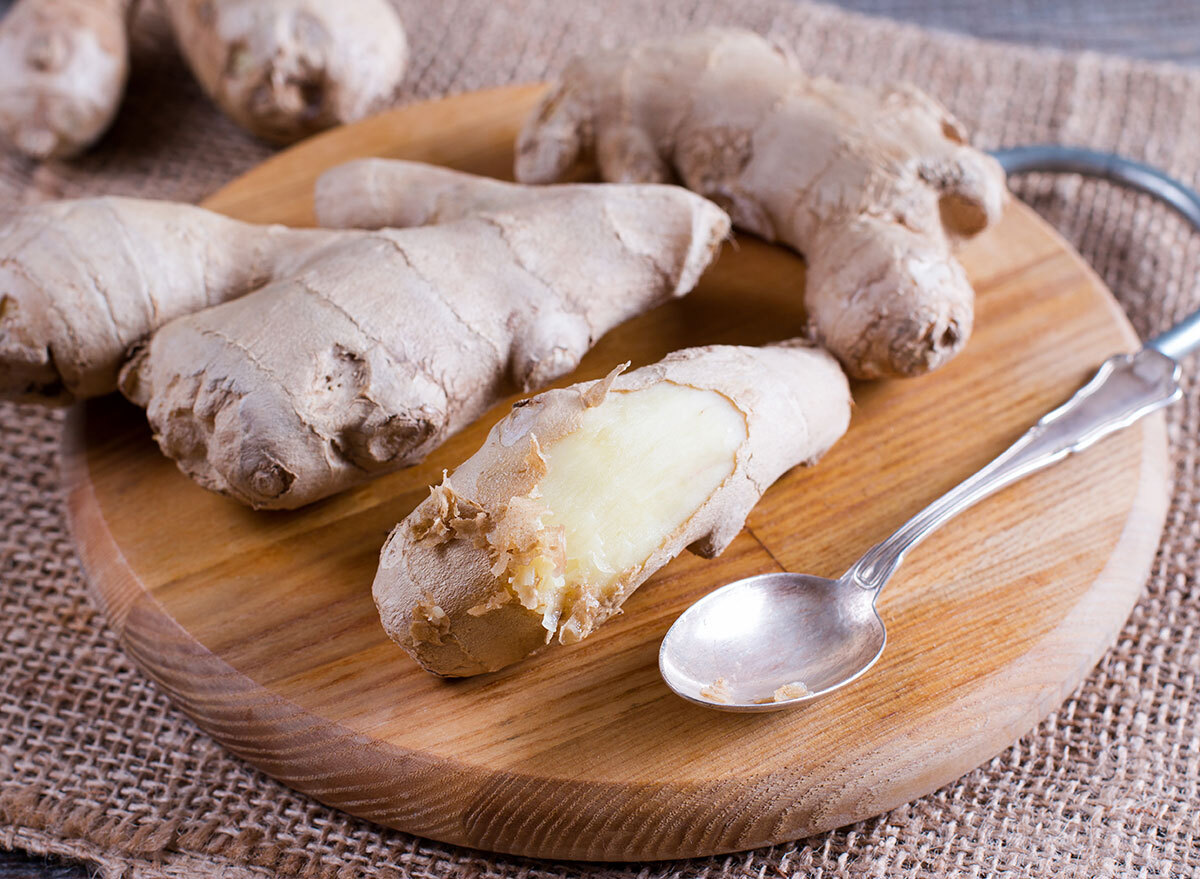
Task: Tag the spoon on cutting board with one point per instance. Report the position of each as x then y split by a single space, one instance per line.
779 640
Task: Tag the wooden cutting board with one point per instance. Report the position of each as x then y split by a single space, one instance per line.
261 625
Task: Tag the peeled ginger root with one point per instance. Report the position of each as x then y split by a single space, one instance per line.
872 187
63 66
579 495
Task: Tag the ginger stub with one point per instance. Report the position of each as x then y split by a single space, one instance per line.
580 495
284 69
873 187
63 66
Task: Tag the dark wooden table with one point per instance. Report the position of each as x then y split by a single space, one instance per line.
1162 30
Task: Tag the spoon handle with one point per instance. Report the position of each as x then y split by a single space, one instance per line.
1125 388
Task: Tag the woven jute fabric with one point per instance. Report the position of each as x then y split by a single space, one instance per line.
96 764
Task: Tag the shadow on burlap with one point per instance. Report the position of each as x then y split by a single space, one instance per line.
96 764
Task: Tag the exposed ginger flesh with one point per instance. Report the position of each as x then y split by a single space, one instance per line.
639 466
579 495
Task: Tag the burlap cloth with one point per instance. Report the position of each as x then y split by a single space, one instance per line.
96 764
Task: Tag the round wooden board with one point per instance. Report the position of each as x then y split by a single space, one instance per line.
261 626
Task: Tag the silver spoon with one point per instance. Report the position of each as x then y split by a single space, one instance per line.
778 640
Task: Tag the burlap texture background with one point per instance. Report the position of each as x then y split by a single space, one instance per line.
96 764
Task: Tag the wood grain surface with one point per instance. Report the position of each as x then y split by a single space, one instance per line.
261 625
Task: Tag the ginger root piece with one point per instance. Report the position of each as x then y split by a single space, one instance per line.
378 193
63 66
381 344
82 281
285 69
375 193
872 187
579 495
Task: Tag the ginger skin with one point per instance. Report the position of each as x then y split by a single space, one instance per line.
84 284
376 346
872 187
284 69
503 555
63 66
83 281
377 193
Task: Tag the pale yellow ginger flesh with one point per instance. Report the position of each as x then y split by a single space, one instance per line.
632 473
873 187
285 69
63 66
581 494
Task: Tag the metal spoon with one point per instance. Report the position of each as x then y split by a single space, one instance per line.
778 640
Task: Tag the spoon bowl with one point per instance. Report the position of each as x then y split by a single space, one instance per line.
770 641
777 640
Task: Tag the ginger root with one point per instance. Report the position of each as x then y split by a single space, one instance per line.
872 187
82 281
378 345
63 66
284 69
376 193
579 495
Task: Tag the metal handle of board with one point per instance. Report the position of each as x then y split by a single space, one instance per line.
1183 338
